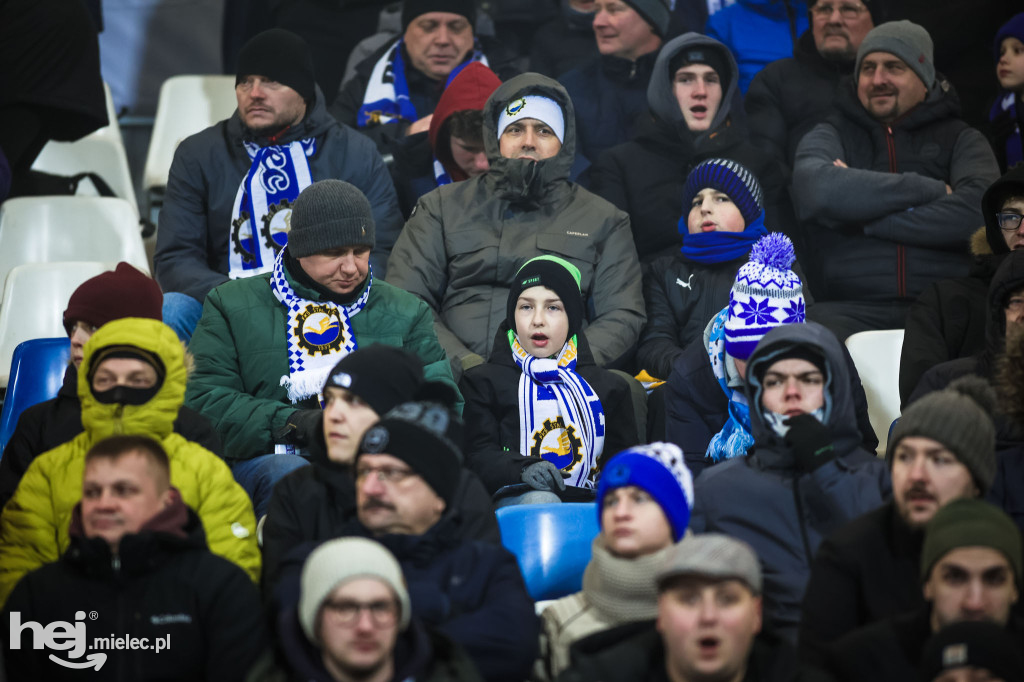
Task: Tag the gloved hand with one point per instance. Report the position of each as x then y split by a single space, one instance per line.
543 475
811 442
301 428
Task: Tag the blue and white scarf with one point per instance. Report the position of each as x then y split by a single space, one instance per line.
387 92
319 334
1007 106
560 416
735 437
440 174
262 211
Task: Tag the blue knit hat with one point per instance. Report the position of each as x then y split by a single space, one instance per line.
731 178
658 468
1014 28
766 294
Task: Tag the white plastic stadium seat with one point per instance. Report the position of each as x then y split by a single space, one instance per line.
102 155
877 357
34 300
53 229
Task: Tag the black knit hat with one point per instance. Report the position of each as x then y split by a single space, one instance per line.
330 214
281 56
550 272
708 55
977 644
970 522
425 435
414 8
383 376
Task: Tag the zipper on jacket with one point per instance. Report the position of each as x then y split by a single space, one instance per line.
632 71
118 428
800 521
901 251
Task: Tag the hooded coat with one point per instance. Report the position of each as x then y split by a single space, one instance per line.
195 235
34 524
465 242
164 582
782 511
645 176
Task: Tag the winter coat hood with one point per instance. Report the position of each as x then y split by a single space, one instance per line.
468 90
993 200
1009 277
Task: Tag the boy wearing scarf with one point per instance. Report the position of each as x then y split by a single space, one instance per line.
540 411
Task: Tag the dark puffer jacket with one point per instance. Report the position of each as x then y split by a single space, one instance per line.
782 511
645 176
885 227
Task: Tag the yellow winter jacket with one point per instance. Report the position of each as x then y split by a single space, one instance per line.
34 524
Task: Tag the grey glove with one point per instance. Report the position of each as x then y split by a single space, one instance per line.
543 476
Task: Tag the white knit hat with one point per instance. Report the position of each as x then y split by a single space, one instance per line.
543 109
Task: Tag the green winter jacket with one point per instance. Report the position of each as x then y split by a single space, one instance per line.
35 521
240 349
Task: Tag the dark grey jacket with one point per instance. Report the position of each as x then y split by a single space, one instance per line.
465 241
195 232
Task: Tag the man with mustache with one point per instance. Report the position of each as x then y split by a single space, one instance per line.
230 190
889 188
942 449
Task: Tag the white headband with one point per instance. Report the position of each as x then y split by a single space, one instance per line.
543 109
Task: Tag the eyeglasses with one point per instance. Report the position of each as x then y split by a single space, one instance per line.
385 474
1008 222
845 11
382 613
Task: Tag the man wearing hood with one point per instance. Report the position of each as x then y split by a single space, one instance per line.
464 242
132 381
230 189
138 563
890 186
690 97
808 473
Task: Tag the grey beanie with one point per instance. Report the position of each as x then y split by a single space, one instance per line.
338 561
957 417
654 12
327 215
906 40
713 555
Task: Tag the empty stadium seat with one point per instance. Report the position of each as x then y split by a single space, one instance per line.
877 357
37 372
552 544
35 296
102 155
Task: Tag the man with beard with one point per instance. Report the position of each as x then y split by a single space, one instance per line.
942 449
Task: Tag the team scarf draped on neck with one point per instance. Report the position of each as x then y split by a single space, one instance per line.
319 334
262 210
735 437
1006 106
387 92
560 416
440 174
720 247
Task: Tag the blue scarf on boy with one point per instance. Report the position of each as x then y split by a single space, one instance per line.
720 247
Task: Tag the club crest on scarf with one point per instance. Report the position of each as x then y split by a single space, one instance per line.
318 330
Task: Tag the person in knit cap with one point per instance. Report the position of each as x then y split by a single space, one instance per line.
808 473
354 621
540 412
643 505
942 449
610 90
1008 107
970 570
228 203
972 649
112 295
265 345
885 216
314 503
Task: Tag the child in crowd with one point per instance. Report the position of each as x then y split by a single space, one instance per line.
540 411
1008 110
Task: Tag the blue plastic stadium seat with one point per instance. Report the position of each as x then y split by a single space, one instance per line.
552 543
37 372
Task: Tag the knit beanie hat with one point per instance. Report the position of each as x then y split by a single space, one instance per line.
338 561
713 555
728 177
330 214
658 468
1014 28
125 292
766 294
550 272
383 376
702 54
538 107
281 56
425 435
414 8
976 644
906 40
654 12
970 522
958 418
